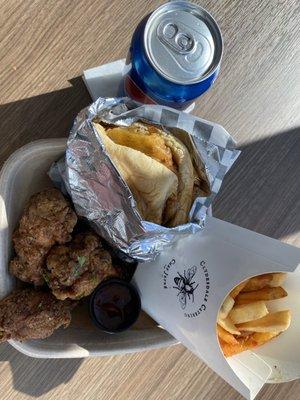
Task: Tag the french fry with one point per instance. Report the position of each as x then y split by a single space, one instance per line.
246 343
258 282
278 279
230 350
226 336
244 321
229 326
273 322
238 289
267 293
226 307
261 281
243 344
263 337
248 312
244 334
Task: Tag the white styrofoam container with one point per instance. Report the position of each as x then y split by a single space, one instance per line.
25 173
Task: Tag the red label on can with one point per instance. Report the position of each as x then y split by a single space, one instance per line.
133 91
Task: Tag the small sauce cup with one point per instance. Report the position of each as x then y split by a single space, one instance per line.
115 305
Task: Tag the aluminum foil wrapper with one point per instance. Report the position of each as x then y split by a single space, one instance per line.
99 193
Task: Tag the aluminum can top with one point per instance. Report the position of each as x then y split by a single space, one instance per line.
183 42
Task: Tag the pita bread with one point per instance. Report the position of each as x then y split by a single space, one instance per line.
185 173
171 152
148 141
150 182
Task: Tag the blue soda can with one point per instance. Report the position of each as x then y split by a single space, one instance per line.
174 56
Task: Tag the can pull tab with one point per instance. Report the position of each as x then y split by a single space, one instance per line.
192 50
171 35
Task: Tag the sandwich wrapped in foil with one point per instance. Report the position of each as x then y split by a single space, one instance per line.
100 194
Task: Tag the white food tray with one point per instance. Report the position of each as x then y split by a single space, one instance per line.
25 173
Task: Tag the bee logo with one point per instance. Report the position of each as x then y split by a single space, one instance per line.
185 286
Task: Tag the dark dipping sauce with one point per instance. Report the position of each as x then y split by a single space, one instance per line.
115 305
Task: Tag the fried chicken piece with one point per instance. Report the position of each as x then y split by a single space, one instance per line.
48 219
76 269
32 314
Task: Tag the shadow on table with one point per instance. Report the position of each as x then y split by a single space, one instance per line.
262 191
36 377
47 115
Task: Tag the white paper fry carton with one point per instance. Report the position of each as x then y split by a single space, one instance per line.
212 262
